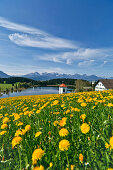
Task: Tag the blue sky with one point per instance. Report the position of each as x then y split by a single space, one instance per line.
64 36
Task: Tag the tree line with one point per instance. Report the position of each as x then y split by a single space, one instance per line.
22 82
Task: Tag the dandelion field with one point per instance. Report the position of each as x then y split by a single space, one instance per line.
69 131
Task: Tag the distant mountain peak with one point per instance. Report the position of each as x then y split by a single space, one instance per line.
3 75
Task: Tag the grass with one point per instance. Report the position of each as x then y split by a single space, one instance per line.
88 148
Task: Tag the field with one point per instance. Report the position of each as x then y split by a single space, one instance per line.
69 131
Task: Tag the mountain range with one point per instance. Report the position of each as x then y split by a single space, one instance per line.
48 76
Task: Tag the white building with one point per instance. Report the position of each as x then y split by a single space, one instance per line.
62 89
104 84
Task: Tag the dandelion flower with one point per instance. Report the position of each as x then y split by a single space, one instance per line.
72 167
55 123
39 168
27 128
83 116
51 164
5 120
111 142
71 115
16 141
37 134
18 132
85 128
110 104
63 121
3 126
37 154
2 132
63 132
107 145
20 124
16 116
81 157
38 111
64 145
83 104
23 131
55 102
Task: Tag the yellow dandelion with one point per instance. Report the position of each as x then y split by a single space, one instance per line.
37 154
23 131
5 120
55 102
71 115
20 124
3 126
63 121
67 111
111 142
37 134
27 128
18 132
63 132
16 141
2 132
72 167
51 164
81 157
83 104
107 145
83 116
64 145
16 116
110 104
76 110
39 168
55 123
85 128
38 111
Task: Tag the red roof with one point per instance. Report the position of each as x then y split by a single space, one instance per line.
62 85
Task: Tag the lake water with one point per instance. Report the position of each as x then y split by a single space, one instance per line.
34 91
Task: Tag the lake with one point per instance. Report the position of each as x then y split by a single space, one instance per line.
34 91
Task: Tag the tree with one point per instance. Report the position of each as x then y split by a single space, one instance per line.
80 84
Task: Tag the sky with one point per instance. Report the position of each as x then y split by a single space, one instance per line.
63 36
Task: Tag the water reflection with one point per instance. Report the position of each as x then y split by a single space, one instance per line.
32 91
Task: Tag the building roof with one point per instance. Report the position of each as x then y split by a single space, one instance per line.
108 83
62 85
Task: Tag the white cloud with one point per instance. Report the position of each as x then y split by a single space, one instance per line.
19 69
82 55
68 61
33 37
86 63
105 62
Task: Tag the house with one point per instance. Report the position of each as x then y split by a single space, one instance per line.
104 84
62 89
